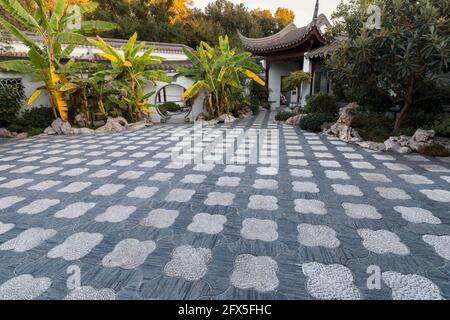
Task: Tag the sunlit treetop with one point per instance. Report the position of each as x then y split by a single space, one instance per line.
284 16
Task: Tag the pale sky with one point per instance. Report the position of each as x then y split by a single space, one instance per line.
304 9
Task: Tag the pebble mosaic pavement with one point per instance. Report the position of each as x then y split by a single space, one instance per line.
141 227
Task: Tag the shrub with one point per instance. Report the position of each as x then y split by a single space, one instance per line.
259 95
163 109
434 150
254 108
10 103
418 120
171 106
284 115
322 103
373 126
314 121
40 117
442 127
33 121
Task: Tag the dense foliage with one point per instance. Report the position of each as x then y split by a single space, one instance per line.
11 96
442 127
55 28
33 121
322 103
284 115
410 50
177 21
219 72
314 121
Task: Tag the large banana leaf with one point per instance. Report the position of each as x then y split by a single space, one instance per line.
91 26
15 9
21 66
58 12
194 90
127 49
17 33
106 48
68 37
88 7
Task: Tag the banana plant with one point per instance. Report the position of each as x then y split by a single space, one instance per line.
130 67
81 82
58 37
219 71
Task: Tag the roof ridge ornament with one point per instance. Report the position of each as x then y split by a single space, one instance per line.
316 12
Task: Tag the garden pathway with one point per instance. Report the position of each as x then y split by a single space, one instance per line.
324 220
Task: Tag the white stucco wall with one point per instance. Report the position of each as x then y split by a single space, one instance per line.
29 88
276 71
184 82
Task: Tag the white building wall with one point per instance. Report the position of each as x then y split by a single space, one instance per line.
276 71
29 88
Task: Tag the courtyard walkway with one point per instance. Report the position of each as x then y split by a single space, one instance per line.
116 215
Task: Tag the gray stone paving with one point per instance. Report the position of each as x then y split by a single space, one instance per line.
139 226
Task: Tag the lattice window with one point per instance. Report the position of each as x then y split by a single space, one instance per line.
14 87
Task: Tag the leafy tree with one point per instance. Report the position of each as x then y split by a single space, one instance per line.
55 29
284 16
218 71
411 49
177 22
295 80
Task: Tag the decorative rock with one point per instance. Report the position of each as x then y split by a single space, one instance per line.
245 113
50 131
4 133
372 145
22 135
137 126
61 127
398 144
80 131
420 138
295 121
346 114
342 128
226 118
113 125
80 120
345 133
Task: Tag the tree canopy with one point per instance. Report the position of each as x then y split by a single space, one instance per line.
410 50
178 21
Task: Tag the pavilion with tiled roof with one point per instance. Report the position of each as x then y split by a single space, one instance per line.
294 49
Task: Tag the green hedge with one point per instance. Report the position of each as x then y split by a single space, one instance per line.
314 121
11 97
33 121
284 115
322 103
442 127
